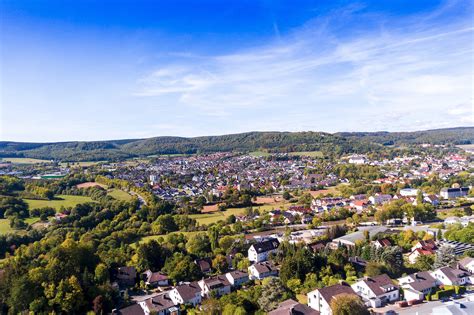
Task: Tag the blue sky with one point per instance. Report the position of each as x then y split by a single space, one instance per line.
94 70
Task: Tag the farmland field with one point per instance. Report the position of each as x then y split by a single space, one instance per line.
66 201
119 194
24 160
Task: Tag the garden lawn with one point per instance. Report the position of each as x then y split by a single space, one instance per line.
65 201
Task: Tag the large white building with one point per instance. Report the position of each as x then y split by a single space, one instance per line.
260 251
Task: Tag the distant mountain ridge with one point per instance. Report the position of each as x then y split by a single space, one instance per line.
272 141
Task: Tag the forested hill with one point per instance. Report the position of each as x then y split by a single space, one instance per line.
460 135
339 143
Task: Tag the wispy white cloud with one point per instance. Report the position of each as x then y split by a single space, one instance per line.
383 78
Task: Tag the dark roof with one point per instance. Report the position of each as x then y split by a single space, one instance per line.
188 291
204 264
156 276
291 307
133 309
216 281
379 283
237 274
264 266
159 303
266 246
453 274
330 292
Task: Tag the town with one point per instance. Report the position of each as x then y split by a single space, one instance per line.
237 233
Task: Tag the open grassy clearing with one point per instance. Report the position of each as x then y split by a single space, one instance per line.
66 201
213 217
307 153
24 160
5 225
259 153
146 239
80 164
119 194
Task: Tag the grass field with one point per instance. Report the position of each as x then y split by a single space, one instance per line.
119 194
259 153
213 217
155 237
307 153
85 163
67 201
5 225
24 160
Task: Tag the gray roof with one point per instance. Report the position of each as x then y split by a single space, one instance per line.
359 235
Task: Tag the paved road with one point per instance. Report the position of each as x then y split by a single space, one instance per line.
420 309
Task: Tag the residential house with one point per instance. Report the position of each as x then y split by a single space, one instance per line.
379 199
204 264
427 247
189 293
450 276
237 277
467 264
377 291
451 193
220 285
291 307
259 252
416 286
382 243
155 279
126 276
160 305
133 309
320 299
262 270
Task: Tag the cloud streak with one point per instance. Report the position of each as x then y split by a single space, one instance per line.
384 78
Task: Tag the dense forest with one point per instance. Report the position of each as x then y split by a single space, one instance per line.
329 144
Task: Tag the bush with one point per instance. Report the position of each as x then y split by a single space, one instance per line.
443 293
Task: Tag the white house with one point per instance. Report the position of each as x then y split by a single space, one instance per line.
380 199
467 264
160 305
377 290
449 193
237 277
450 276
407 192
189 293
262 270
320 299
260 251
218 284
417 285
